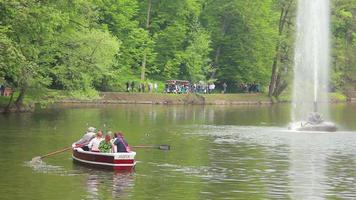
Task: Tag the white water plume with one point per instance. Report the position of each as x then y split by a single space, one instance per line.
312 58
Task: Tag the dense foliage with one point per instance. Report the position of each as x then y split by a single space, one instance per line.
89 45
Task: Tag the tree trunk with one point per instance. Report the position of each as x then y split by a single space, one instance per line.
275 70
278 91
216 60
7 108
278 84
218 50
19 100
272 84
143 68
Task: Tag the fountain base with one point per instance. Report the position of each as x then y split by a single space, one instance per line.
306 126
314 123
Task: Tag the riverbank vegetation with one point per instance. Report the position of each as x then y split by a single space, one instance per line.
85 46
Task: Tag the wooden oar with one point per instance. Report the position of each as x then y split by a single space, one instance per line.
160 147
37 158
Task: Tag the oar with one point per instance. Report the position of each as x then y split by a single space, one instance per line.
37 158
160 147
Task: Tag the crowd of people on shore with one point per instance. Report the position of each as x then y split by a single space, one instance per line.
96 141
181 87
250 88
141 87
184 87
209 88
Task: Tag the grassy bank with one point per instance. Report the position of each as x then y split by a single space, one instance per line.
242 98
335 97
43 98
163 98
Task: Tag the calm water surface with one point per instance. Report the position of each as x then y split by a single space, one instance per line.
218 152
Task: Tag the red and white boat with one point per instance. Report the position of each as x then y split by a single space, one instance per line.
114 161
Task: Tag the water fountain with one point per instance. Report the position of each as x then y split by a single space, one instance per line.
311 70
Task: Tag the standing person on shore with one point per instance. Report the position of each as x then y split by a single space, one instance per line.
143 87
127 86
155 87
132 86
224 86
2 89
150 87
212 87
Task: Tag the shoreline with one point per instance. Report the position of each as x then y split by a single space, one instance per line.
174 99
112 98
183 99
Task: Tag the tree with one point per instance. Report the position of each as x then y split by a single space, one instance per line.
194 62
344 43
27 29
281 61
243 39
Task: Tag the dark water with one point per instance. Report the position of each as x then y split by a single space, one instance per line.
218 152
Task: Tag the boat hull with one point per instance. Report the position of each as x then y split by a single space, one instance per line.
114 161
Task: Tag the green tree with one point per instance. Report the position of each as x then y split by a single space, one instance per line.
344 43
282 61
120 17
243 39
28 28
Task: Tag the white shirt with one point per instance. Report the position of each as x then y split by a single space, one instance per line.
94 144
115 147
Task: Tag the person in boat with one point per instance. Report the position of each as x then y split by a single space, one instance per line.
95 142
82 142
120 143
106 146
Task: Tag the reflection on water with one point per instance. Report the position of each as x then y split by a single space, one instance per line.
105 183
98 182
307 168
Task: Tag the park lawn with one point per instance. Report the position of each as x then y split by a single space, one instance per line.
333 96
50 96
4 101
32 96
136 96
337 97
236 97
183 97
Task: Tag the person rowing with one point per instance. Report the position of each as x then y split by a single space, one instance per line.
87 137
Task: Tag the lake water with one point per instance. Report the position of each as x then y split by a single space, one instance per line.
217 152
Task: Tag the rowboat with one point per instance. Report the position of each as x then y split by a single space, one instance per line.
114 161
